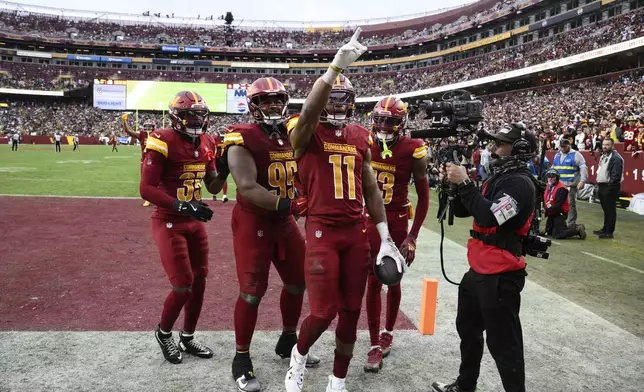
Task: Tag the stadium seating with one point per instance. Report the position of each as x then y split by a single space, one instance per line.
600 34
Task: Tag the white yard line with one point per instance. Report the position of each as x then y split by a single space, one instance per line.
613 262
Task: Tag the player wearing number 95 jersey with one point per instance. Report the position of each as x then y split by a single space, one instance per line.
176 162
334 168
395 157
261 161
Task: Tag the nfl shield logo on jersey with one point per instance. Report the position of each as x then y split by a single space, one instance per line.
196 154
338 132
260 233
280 142
318 234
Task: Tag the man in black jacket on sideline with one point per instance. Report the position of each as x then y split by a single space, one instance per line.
610 175
489 295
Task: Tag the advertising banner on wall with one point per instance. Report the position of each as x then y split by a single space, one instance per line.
236 98
110 96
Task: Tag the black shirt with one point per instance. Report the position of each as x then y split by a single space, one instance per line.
518 185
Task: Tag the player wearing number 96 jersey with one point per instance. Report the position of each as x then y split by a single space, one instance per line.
395 158
261 161
334 169
176 162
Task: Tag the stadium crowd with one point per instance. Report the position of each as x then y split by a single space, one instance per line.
589 107
606 32
159 31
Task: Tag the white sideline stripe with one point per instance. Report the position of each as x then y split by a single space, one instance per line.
614 262
91 197
556 243
75 180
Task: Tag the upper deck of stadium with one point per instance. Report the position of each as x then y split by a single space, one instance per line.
210 34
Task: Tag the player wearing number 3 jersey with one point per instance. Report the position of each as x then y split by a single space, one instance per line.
334 168
261 161
176 162
395 157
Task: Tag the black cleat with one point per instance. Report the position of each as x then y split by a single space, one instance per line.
453 387
285 345
189 345
168 346
244 375
598 232
605 236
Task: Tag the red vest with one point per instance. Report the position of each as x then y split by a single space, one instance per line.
549 198
490 259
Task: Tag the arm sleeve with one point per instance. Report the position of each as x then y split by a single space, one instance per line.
514 196
151 177
560 198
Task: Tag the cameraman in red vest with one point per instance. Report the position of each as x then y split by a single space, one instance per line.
556 205
489 294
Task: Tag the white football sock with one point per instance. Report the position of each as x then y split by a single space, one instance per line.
337 383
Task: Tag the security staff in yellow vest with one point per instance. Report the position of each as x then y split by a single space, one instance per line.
572 168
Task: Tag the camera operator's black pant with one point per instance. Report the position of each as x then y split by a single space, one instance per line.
491 303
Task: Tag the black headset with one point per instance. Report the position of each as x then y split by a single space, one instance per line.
521 146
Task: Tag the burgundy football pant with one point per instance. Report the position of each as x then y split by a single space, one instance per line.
183 247
259 241
336 268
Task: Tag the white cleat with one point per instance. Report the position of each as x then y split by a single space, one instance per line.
329 387
294 379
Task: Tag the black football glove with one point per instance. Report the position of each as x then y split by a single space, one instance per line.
194 208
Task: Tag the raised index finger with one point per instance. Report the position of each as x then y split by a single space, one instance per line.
356 35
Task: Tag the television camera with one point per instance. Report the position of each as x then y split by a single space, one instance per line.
456 122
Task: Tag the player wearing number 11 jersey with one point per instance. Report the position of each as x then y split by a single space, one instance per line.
175 163
261 161
334 168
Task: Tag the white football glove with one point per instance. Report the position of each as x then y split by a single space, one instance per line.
388 248
349 53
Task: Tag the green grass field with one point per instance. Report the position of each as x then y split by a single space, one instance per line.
149 95
603 276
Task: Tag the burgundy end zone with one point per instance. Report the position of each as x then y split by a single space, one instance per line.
91 264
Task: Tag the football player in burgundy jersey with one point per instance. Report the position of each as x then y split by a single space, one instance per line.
334 170
142 137
262 163
394 158
176 162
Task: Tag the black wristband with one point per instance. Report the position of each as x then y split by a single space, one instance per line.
283 204
176 206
